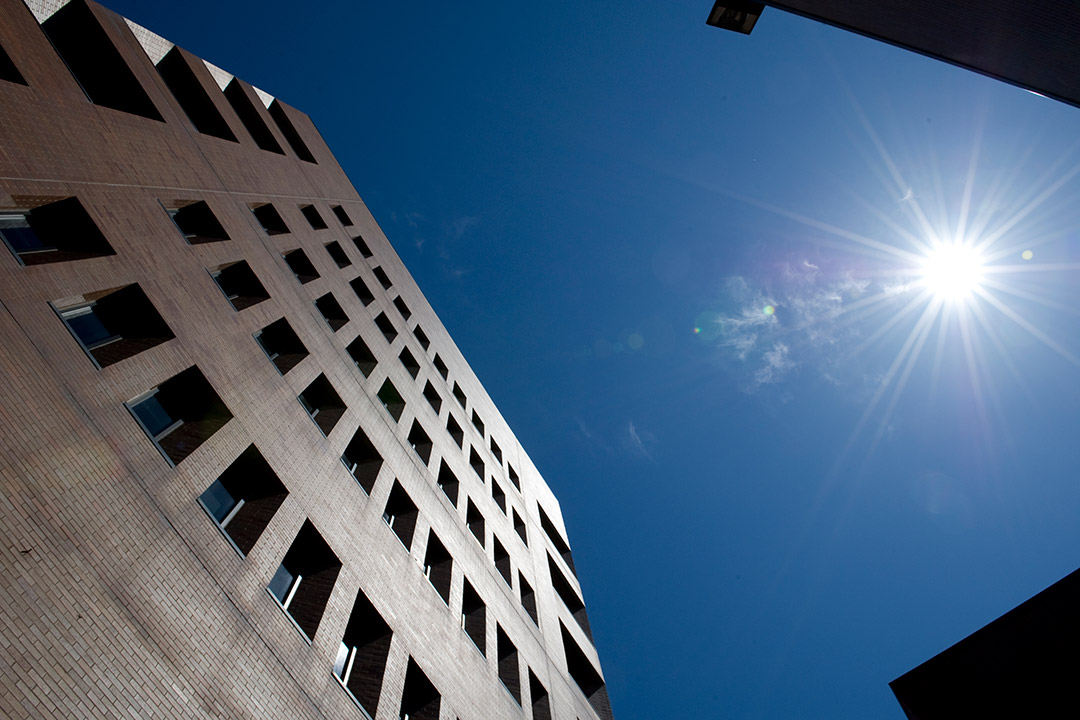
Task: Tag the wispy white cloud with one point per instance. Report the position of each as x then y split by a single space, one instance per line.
637 443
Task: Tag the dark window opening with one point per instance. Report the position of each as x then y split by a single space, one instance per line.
361 658
197 223
402 307
382 277
498 495
475 522
322 403
519 527
244 498
448 482
94 61
311 214
301 266
419 700
478 423
514 479
556 539
386 327
441 366
337 254
455 430
55 232
509 671
502 562
391 399
474 617
270 219
192 96
304 580
459 395
342 216
180 414
566 591
362 460
250 116
362 246
476 463
282 345
528 600
541 704
239 284
420 441
433 397
277 111
410 362
113 325
401 514
8 71
496 450
332 312
361 355
586 676
737 15
362 291
438 567
421 337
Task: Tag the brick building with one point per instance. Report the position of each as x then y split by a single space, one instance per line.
244 470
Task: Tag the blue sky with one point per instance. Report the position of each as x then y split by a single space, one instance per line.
774 513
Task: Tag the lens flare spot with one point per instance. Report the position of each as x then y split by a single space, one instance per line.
769 310
953 272
635 341
1027 254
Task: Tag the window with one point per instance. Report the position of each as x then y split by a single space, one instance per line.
305 578
476 463
180 414
362 291
196 222
301 266
420 441
496 450
475 522
509 672
401 514
419 699
391 399
570 598
410 363
322 403
337 254
8 71
556 539
455 430
311 214
332 312
56 231
382 277
514 479
502 562
541 705
498 495
438 567
459 395
474 617
528 598
447 482
362 246
282 345
94 61
342 216
244 499
239 284
519 527
281 117
478 423
361 355
440 366
192 97
270 219
432 396
421 337
386 327
361 658
586 676
245 105
362 460
113 325
402 307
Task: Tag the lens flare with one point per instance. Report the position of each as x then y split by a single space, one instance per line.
953 272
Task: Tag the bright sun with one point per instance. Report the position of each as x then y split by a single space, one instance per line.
953 272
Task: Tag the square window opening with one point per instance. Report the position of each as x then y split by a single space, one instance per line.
475 522
57 231
292 136
410 362
361 660
498 495
541 704
337 254
363 293
585 676
196 222
382 277
362 460
514 479
474 617
401 514
441 366
244 498
569 596
113 325
421 337
322 404
269 219
476 463
420 441
502 562
8 71
301 266
433 397
438 567
311 214
402 307
519 527
247 109
183 83
342 216
391 399
509 671
361 355
478 423
459 395
496 450
303 582
556 539
180 414
448 482
332 311
362 246
419 699
386 327
282 345
238 284
455 430
528 599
